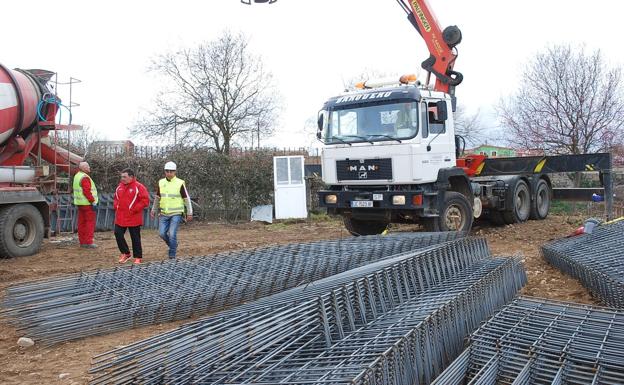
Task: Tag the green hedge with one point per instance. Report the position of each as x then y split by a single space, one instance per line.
215 181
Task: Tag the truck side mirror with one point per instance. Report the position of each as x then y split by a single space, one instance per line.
442 110
320 122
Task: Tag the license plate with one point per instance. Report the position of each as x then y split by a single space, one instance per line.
362 204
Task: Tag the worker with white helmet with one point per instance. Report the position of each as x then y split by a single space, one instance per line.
172 201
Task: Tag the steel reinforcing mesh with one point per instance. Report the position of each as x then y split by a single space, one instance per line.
108 300
397 321
596 259
537 341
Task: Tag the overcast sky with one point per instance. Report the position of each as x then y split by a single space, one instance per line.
310 46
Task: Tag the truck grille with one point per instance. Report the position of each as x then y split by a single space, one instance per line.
364 169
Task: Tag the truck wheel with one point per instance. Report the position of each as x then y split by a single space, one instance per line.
455 215
21 230
540 205
521 204
358 227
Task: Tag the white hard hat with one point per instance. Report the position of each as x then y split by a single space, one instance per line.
170 166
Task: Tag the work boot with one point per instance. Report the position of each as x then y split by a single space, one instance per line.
137 261
124 257
89 246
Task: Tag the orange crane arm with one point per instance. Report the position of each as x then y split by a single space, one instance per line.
440 43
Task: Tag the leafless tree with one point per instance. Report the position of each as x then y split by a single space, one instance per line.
569 102
77 141
469 126
217 94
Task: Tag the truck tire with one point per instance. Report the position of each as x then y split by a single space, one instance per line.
521 204
21 230
540 204
358 227
455 214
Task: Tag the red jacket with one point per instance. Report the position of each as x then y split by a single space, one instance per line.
130 200
86 189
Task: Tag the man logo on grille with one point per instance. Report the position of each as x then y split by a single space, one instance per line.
363 175
370 167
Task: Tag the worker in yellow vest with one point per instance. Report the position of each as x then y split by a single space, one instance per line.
86 199
173 204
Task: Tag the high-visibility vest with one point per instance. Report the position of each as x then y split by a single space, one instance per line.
171 201
79 198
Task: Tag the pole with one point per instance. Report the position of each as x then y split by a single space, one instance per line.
607 182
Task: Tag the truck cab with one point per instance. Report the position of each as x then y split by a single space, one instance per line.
397 132
389 152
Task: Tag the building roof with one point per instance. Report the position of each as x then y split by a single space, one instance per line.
493 146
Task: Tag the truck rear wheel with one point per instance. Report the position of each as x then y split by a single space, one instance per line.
540 204
21 230
521 204
455 215
359 227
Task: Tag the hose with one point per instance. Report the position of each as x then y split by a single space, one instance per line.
51 99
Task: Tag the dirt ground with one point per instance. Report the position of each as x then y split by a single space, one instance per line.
41 365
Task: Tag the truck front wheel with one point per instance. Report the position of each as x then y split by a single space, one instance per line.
455 214
359 227
21 230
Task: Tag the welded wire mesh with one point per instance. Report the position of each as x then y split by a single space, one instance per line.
397 321
596 259
107 300
536 341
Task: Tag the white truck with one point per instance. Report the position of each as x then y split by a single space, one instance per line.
392 155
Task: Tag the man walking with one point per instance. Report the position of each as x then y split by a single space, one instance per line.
131 197
170 202
86 199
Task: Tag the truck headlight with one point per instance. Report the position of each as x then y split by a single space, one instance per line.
331 199
398 200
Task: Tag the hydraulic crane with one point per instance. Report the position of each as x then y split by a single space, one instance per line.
441 45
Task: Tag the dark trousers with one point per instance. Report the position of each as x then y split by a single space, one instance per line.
135 236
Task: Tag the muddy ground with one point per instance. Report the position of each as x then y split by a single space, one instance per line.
41 365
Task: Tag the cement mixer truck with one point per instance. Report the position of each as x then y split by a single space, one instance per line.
29 160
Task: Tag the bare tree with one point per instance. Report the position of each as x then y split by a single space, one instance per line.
569 102
469 126
77 141
216 94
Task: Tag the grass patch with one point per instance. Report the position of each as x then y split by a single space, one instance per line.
277 226
323 217
562 207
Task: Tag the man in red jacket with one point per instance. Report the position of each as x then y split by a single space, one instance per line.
131 197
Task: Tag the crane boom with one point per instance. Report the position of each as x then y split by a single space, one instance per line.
440 43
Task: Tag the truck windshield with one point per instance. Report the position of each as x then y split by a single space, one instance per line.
378 122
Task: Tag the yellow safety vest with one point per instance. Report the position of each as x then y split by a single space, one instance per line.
79 198
171 201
